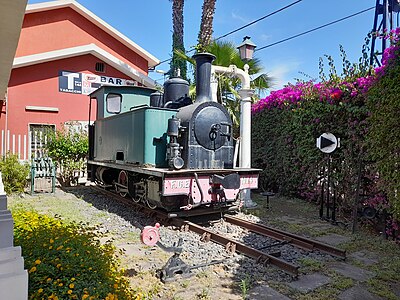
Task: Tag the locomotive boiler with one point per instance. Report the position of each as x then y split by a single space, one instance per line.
166 151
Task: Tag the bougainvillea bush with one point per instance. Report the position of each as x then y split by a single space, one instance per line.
67 261
361 107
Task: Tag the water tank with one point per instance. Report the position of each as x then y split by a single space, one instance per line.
156 99
175 89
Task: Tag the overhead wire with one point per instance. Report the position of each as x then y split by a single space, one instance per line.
258 20
315 29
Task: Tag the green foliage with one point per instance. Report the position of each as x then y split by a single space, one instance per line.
245 285
68 149
283 143
228 86
13 173
284 135
67 260
384 132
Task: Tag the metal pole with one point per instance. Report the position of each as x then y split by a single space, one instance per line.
374 29
321 208
384 27
329 185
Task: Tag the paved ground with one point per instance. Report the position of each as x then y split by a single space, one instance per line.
355 278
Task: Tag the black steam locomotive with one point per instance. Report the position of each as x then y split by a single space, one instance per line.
166 151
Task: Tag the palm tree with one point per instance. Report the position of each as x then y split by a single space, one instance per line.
177 39
206 25
228 87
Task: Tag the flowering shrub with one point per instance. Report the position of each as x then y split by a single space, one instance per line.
362 104
66 261
286 125
383 138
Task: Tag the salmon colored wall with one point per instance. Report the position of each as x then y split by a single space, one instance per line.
65 28
38 86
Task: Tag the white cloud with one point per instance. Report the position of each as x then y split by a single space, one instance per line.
240 18
283 73
265 37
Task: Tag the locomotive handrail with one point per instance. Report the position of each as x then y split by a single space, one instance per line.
139 106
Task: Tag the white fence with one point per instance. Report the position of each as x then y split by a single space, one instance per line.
25 146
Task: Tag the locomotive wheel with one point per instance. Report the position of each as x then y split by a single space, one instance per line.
122 180
151 206
137 199
139 191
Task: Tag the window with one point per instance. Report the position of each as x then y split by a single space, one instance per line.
38 139
113 103
100 67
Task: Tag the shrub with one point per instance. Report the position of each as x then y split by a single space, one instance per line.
384 131
67 261
14 173
68 149
362 109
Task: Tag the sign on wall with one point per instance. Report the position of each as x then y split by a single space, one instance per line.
85 83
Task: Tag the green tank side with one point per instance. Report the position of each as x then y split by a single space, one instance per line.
155 137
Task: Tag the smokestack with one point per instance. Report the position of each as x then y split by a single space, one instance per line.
203 75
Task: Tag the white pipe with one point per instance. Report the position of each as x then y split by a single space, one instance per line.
245 110
245 94
243 75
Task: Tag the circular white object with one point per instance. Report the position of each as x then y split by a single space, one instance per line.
327 142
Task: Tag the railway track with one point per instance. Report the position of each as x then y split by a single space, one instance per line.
232 245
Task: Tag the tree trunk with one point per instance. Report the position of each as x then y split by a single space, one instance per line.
206 26
177 39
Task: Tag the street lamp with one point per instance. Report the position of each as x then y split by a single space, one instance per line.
246 49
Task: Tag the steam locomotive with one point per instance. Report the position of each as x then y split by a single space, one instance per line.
165 151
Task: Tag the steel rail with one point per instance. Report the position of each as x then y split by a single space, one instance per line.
208 235
235 246
294 239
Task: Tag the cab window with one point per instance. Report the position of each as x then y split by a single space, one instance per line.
113 103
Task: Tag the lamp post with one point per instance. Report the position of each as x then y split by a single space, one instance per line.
246 50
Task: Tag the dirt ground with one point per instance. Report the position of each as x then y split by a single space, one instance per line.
218 282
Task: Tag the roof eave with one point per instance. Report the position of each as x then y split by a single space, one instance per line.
92 49
45 6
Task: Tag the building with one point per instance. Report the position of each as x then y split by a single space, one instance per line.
64 53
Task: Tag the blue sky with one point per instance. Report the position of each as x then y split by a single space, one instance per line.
149 24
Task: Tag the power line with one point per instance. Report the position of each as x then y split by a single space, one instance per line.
244 26
258 20
314 29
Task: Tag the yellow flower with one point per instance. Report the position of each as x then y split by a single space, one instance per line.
138 296
72 279
33 269
40 290
38 261
51 241
51 247
49 279
85 296
59 247
60 284
71 286
69 292
111 297
59 265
